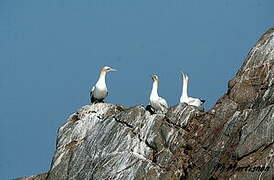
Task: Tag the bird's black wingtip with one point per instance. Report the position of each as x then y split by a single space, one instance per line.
150 109
203 101
92 99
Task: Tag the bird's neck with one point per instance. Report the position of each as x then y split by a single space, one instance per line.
154 91
185 86
102 78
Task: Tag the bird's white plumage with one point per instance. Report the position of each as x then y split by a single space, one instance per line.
158 103
184 97
99 92
163 102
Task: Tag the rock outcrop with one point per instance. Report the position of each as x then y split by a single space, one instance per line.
35 177
233 140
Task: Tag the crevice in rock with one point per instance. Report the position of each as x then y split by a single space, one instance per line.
129 166
75 117
248 154
123 122
70 144
155 152
141 140
172 123
185 175
146 142
267 146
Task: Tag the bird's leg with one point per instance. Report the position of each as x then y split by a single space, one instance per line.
101 101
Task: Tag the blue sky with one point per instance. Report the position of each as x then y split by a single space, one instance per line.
51 52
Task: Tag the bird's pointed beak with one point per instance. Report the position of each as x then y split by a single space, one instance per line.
111 69
183 75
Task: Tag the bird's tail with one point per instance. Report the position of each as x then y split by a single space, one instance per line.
92 99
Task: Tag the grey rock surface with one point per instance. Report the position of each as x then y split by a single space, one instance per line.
35 177
239 130
105 141
233 140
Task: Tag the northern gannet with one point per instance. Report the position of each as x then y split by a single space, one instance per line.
184 97
158 103
99 92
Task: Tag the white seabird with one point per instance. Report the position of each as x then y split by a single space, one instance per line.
184 97
99 92
158 103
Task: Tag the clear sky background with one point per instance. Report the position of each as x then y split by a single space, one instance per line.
51 52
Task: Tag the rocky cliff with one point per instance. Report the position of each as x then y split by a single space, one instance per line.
233 140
